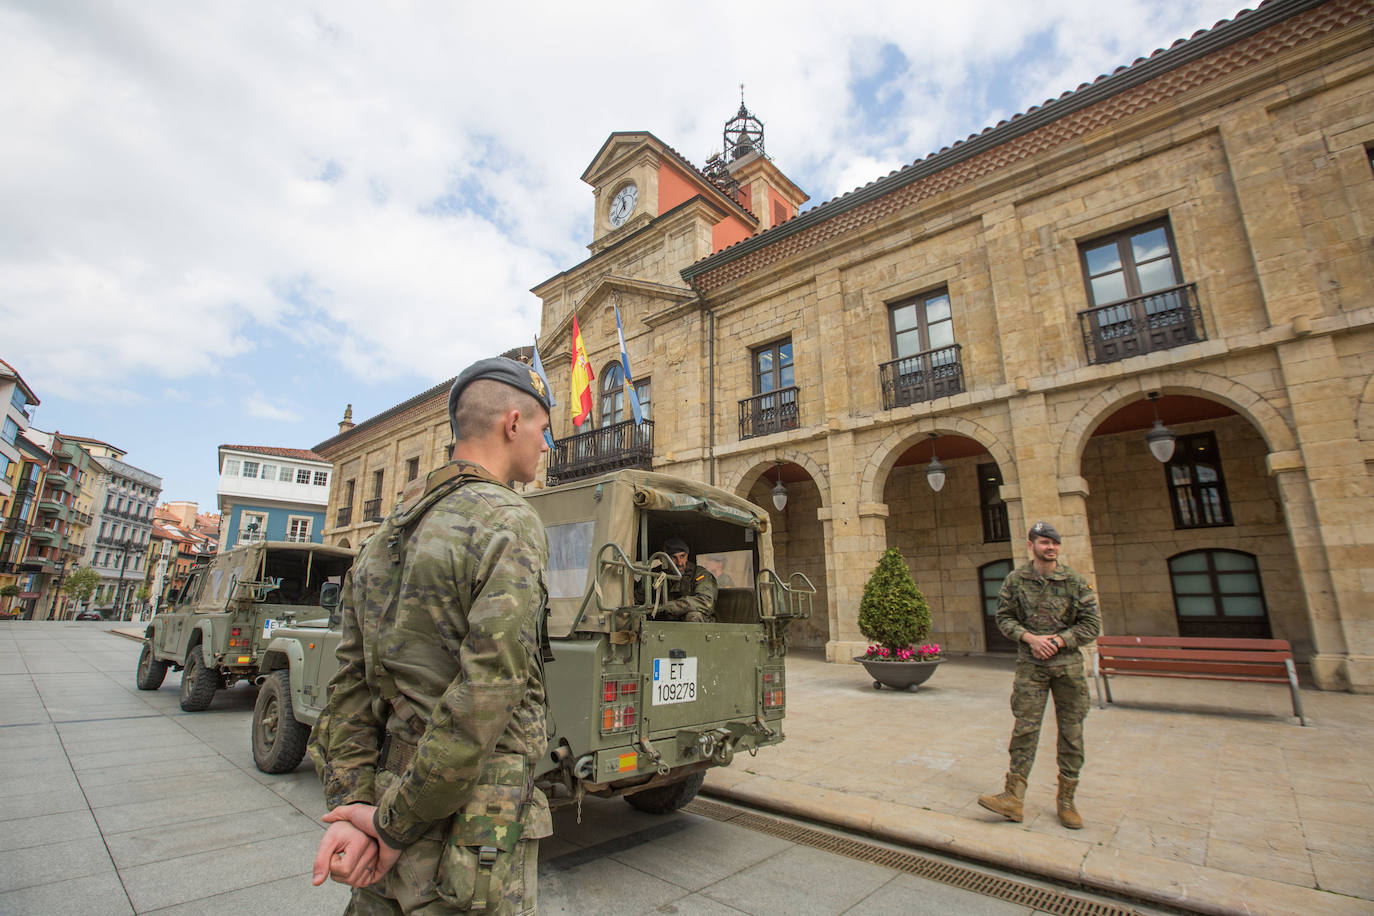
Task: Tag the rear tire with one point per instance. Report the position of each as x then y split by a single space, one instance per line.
151 669
278 739
198 682
668 798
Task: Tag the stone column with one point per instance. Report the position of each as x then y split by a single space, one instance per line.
1329 517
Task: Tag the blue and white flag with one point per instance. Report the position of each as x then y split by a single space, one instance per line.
538 367
625 364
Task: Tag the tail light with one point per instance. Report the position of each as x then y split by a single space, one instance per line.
619 705
774 693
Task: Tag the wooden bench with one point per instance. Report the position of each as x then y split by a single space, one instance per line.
1268 661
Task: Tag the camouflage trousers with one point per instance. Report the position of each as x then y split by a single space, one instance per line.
423 885
1069 687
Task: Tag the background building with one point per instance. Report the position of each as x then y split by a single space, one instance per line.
17 400
172 550
268 493
122 518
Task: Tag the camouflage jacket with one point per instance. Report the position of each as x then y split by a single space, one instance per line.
695 591
1062 604
464 567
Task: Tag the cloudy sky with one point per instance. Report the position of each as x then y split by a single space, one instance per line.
222 222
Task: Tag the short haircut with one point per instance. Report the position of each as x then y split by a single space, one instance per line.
484 403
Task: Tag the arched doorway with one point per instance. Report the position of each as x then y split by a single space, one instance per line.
798 544
1196 545
951 537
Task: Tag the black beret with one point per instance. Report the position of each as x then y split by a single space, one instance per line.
675 545
501 369
1043 530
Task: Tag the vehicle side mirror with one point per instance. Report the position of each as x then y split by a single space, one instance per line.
329 595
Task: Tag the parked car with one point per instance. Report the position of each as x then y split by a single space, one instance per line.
90 615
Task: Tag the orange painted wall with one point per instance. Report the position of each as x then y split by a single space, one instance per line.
776 200
673 188
727 232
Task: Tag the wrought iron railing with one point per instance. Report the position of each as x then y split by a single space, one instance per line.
372 510
769 413
620 445
922 376
344 518
1159 321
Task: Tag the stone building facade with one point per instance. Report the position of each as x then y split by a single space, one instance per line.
1194 227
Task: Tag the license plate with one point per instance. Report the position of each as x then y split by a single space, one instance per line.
267 627
675 680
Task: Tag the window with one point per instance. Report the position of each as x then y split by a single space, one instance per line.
612 394
1219 593
925 361
11 430
250 469
920 324
252 527
773 367
990 578
377 477
412 469
286 474
348 492
1133 263
321 478
1197 489
996 529
302 475
269 472
298 529
644 391
4 464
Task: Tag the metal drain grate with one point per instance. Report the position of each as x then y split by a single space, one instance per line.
1042 899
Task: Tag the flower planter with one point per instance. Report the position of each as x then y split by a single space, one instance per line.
898 675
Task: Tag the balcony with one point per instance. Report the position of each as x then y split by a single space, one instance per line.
372 510
41 535
65 451
80 517
13 525
52 507
61 482
620 445
922 376
344 518
1160 321
769 413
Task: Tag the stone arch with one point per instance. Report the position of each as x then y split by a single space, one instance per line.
1247 402
344 543
898 441
742 481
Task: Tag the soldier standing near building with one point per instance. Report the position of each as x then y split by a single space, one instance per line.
693 597
1051 612
437 713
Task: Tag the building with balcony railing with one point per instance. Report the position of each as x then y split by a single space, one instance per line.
272 493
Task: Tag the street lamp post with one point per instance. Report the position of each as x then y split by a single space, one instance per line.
124 546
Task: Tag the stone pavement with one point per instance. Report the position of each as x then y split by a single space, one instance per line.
1200 794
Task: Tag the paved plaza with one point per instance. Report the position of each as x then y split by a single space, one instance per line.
1204 794
1199 795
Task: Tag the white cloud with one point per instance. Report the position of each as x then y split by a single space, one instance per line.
187 186
258 406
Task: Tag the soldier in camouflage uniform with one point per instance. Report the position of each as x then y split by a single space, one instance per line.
693 597
1050 611
436 715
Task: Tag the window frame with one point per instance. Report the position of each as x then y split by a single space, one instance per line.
775 347
303 476
993 507
321 479
1186 446
610 399
919 304
1122 237
412 468
1260 624
292 521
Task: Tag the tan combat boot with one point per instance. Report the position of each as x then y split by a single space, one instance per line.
1068 814
1008 803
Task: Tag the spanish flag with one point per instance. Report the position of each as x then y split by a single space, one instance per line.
582 378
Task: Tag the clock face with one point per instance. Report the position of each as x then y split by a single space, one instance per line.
623 204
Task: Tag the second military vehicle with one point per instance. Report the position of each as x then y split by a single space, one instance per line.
215 627
637 707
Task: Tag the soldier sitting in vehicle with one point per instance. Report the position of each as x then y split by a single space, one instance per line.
693 597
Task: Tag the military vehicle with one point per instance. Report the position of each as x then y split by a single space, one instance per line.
637 707
214 628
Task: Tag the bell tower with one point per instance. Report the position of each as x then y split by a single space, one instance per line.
745 172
